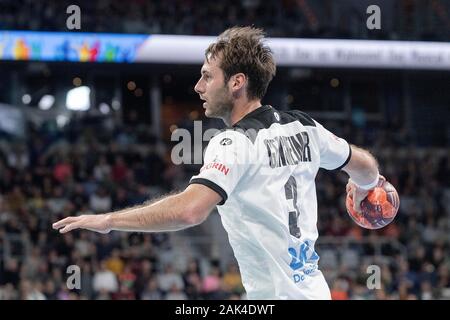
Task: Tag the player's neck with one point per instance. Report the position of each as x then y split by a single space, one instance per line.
240 111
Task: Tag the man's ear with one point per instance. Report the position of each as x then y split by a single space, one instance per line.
237 82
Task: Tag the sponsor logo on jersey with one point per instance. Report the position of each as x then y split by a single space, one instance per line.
301 276
304 255
288 150
304 261
226 141
216 165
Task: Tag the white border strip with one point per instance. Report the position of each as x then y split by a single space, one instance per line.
310 52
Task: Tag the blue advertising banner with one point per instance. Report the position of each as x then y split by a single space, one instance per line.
69 46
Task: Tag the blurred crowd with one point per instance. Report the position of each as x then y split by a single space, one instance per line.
403 19
88 170
95 168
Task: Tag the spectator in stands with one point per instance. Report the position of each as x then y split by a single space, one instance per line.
104 281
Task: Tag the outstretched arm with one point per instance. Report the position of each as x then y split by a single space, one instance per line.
172 213
363 171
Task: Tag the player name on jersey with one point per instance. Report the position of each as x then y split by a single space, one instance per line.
288 150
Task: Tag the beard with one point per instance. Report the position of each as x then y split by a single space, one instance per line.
221 106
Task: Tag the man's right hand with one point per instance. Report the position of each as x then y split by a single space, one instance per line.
357 194
95 222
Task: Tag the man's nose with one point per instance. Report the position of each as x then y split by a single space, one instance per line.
198 87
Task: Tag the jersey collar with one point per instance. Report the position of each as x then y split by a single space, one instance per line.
254 113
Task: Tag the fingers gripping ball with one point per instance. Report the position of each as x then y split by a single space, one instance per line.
378 209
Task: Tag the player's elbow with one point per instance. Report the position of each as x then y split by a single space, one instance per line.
193 216
197 201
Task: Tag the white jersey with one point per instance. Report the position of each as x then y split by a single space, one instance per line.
264 169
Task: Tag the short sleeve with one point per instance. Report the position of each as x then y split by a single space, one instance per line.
335 152
227 158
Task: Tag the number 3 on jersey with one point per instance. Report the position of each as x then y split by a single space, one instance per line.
290 190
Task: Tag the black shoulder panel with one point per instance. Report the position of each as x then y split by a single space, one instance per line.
292 115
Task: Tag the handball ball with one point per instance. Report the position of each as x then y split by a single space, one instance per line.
378 209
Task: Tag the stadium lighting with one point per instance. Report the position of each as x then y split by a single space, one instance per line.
104 108
77 81
131 85
334 82
115 104
46 102
77 99
26 99
61 120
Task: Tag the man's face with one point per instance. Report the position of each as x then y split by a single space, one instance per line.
213 90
